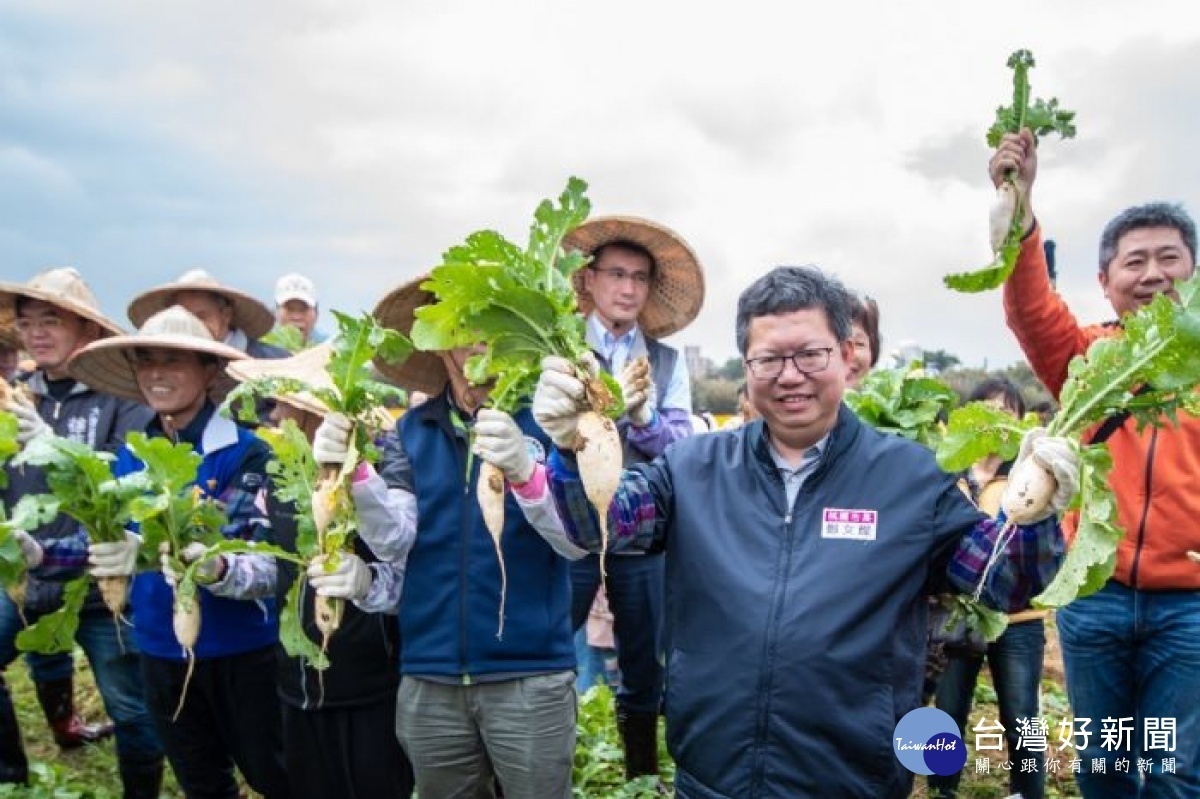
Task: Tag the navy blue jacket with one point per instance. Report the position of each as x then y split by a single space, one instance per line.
449 611
796 642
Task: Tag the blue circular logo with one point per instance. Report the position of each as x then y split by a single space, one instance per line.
927 741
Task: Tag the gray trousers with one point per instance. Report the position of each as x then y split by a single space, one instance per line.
521 730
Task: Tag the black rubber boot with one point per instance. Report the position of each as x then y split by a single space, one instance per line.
57 699
14 768
639 738
142 780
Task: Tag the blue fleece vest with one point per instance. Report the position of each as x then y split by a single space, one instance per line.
227 626
449 614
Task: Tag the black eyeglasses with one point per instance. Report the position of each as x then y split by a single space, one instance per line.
806 362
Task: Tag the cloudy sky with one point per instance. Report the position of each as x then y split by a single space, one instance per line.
354 141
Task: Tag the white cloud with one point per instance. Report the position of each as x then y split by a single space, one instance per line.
357 140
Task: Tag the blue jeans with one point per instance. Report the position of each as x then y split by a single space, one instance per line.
635 587
592 668
1015 659
42 668
114 665
1136 655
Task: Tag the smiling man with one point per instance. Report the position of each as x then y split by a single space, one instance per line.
1132 649
800 549
56 315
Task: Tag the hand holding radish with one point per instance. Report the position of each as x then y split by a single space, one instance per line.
637 386
350 579
331 443
557 401
1043 480
501 443
114 558
30 424
31 550
1016 157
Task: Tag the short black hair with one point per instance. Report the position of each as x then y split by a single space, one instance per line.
1137 217
794 288
999 386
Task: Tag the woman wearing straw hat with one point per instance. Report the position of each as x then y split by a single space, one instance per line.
56 315
231 713
643 283
339 734
473 700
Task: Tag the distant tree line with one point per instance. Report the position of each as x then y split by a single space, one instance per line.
717 390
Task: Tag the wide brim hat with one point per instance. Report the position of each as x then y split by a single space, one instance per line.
421 371
63 288
106 365
677 291
250 315
307 366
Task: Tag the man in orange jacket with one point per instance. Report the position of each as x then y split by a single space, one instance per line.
1132 649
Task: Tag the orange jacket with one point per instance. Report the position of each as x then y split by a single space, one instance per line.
1155 472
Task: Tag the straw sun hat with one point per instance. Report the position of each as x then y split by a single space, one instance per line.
63 288
422 371
677 291
107 365
250 316
307 366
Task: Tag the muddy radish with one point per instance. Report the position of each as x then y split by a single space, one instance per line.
1027 496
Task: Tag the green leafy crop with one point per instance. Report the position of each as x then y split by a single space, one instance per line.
1042 117
904 402
977 430
520 303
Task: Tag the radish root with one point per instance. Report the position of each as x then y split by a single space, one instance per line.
489 491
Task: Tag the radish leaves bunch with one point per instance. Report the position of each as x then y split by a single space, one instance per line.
1042 117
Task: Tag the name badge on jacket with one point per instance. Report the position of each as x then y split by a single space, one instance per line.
849 524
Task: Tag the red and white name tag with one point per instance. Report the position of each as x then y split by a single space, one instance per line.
849 524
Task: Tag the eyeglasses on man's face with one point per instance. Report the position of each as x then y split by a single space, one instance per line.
621 275
50 324
807 362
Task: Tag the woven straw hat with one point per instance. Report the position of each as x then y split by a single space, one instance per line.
250 316
307 366
106 365
678 288
63 288
422 371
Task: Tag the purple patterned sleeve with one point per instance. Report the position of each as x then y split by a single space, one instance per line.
668 426
63 558
635 522
1030 556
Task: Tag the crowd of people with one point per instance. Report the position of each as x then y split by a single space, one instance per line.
767 587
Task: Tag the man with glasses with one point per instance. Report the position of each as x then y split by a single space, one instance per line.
643 283
56 315
800 549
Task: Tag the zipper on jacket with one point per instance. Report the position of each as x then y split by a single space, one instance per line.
757 775
1141 539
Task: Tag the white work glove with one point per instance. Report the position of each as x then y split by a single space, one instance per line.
30 424
556 400
207 573
114 558
1057 456
30 549
637 386
501 443
350 580
331 443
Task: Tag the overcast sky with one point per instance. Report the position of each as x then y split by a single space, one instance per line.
356 141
